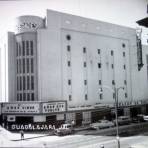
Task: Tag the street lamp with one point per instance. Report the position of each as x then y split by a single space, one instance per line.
115 91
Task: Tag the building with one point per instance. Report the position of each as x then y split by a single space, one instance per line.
70 58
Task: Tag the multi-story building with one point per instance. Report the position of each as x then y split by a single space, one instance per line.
67 57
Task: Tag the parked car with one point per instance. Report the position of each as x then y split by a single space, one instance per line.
102 124
122 120
65 129
138 118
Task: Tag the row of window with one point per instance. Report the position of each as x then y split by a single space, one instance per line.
25 83
70 97
25 97
24 48
25 65
68 37
53 106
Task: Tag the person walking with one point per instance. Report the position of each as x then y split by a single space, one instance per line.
22 134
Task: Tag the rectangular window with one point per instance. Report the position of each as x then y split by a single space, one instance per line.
86 98
27 65
20 83
20 66
28 97
17 66
99 65
20 52
68 48
124 66
114 95
69 63
31 47
69 97
28 83
23 44
17 49
84 49
24 83
20 97
32 67
32 82
85 82
112 52
69 82
125 95
27 47
101 96
123 54
23 65
112 66
85 64
100 82
99 51
125 82
32 96
24 96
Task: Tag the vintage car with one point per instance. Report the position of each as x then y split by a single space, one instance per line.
65 129
102 124
123 120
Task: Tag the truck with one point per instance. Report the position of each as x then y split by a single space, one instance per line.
64 129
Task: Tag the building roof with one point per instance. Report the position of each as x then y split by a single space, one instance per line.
143 22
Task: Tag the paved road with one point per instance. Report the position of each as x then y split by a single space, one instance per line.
91 141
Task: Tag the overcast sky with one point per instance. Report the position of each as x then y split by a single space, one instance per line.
121 12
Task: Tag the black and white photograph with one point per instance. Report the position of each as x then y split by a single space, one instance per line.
74 73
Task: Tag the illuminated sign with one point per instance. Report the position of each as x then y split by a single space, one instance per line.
54 107
21 108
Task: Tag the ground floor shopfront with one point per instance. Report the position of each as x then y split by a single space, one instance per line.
50 115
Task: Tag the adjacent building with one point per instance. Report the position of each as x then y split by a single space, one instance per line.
70 58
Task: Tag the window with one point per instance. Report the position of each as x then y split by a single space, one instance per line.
17 83
69 97
113 82
84 49
85 64
86 98
20 97
28 97
17 66
28 83
17 50
32 82
123 45
68 48
27 47
99 51
27 65
23 65
24 83
69 82
68 63
124 66
112 66
125 95
32 96
99 65
23 45
112 52
24 96
101 96
20 67
100 82
20 53
20 83
32 68
17 97
125 82
85 82
68 37
123 54
31 47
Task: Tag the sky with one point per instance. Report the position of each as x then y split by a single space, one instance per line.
121 12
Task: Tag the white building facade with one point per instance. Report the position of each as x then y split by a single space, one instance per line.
71 58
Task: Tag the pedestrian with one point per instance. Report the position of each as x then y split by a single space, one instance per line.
22 134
